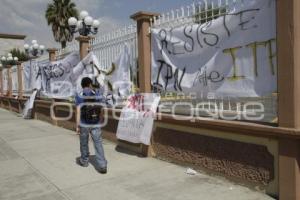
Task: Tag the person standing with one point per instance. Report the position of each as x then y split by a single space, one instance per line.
88 119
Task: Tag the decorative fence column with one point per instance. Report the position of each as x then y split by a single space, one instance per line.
52 54
144 49
288 45
9 76
144 58
84 45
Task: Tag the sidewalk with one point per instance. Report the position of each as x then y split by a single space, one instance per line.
37 162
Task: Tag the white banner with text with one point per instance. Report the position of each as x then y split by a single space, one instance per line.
57 77
233 55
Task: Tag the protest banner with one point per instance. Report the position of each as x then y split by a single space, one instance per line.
233 55
26 77
32 76
56 77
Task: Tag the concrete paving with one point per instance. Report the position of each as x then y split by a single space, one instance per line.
37 162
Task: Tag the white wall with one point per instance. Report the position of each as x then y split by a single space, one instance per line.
7 44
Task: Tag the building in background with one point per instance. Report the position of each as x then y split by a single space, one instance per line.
10 41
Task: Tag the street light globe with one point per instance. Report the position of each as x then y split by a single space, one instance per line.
26 46
35 46
72 21
88 20
16 59
10 58
34 42
96 23
3 58
42 47
83 14
9 55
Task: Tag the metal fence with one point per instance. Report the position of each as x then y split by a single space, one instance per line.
70 48
199 13
108 47
43 58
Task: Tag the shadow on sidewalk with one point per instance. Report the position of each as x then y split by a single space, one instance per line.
123 150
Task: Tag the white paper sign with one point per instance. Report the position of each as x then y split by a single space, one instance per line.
233 55
136 120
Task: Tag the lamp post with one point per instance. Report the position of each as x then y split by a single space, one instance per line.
9 60
34 50
85 26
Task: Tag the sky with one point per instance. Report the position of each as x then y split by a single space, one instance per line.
26 17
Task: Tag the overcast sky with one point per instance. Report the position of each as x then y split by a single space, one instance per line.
27 16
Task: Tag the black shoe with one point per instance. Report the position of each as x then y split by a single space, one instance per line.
102 170
82 164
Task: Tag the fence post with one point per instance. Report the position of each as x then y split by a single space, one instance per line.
144 57
84 45
144 49
9 88
52 54
288 46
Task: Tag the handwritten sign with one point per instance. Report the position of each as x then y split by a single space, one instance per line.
233 55
136 120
